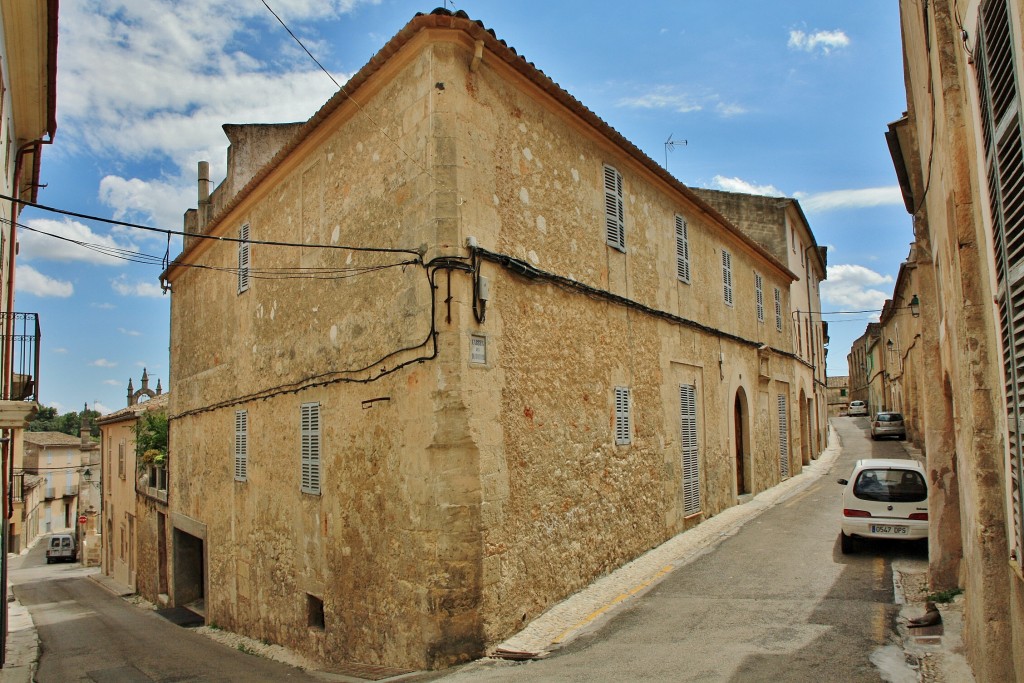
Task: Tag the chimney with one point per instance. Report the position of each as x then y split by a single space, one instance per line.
204 194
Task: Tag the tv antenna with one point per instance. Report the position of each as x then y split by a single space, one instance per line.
670 145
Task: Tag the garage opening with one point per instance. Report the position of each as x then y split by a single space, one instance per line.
189 574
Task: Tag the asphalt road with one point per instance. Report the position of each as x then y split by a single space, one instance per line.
776 602
88 634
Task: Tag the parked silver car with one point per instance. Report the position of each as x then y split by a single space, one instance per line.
888 424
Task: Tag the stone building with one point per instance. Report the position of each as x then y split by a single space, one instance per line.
455 352
56 458
865 369
134 499
838 395
957 153
779 225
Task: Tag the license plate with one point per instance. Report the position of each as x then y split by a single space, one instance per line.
888 529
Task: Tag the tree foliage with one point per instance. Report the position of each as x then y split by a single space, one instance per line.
151 438
47 420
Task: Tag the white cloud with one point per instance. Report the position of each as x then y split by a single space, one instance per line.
101 408
823 41
851 199
112 382
122 286
103 363
59 349
729 110
744 187
855 288
28 280
156 79
37 245
163 202
662 97
130 333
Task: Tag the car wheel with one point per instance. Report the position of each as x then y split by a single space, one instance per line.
845 543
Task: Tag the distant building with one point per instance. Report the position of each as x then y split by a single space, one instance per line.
134 520
56 458
838 395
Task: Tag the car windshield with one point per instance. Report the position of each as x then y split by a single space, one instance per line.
889 417
890 486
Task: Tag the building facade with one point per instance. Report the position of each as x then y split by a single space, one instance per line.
957 153
838 395
28 121
134 512
779 224
56 458
413 367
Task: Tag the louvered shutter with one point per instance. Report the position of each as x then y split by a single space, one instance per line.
311 448
778 310
613 211
783 437
243 259
1002 130
690 452
241 445
727 277
622 426
759 295
682 250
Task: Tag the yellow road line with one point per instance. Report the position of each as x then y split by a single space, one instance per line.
594 615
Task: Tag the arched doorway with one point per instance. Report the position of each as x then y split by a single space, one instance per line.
741 412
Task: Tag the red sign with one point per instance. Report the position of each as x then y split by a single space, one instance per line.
83 519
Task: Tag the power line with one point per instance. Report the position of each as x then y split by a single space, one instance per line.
198 235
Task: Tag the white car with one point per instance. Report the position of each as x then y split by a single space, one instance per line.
857 408
884 498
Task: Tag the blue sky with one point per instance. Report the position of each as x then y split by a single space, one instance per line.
789 98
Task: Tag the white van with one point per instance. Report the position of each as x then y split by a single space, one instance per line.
61 547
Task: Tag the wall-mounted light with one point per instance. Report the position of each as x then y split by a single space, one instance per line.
915 306
889 344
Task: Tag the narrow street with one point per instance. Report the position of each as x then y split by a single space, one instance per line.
775 602
88 634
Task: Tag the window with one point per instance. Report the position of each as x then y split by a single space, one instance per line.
759 296
241 445
310 428
1004 159
682 250
613 214
120 459
778 309
622 417
727 277
315 613
243 259
690 453
783 437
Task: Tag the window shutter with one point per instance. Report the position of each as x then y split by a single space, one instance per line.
1002 124
241 445
311 448
682 250
778 309
783 437
622 416
759 293
690 452
613 212
243 259
727 277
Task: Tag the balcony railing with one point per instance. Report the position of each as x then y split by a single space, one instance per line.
19 337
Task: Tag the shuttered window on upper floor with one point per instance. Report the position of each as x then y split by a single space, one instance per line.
759 296
623 426
243 259
1003 133
682 250
727 277
241 445
310 431
778 309
614 217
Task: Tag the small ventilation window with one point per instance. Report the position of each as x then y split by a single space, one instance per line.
315 613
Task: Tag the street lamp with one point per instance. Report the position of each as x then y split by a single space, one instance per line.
915 306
